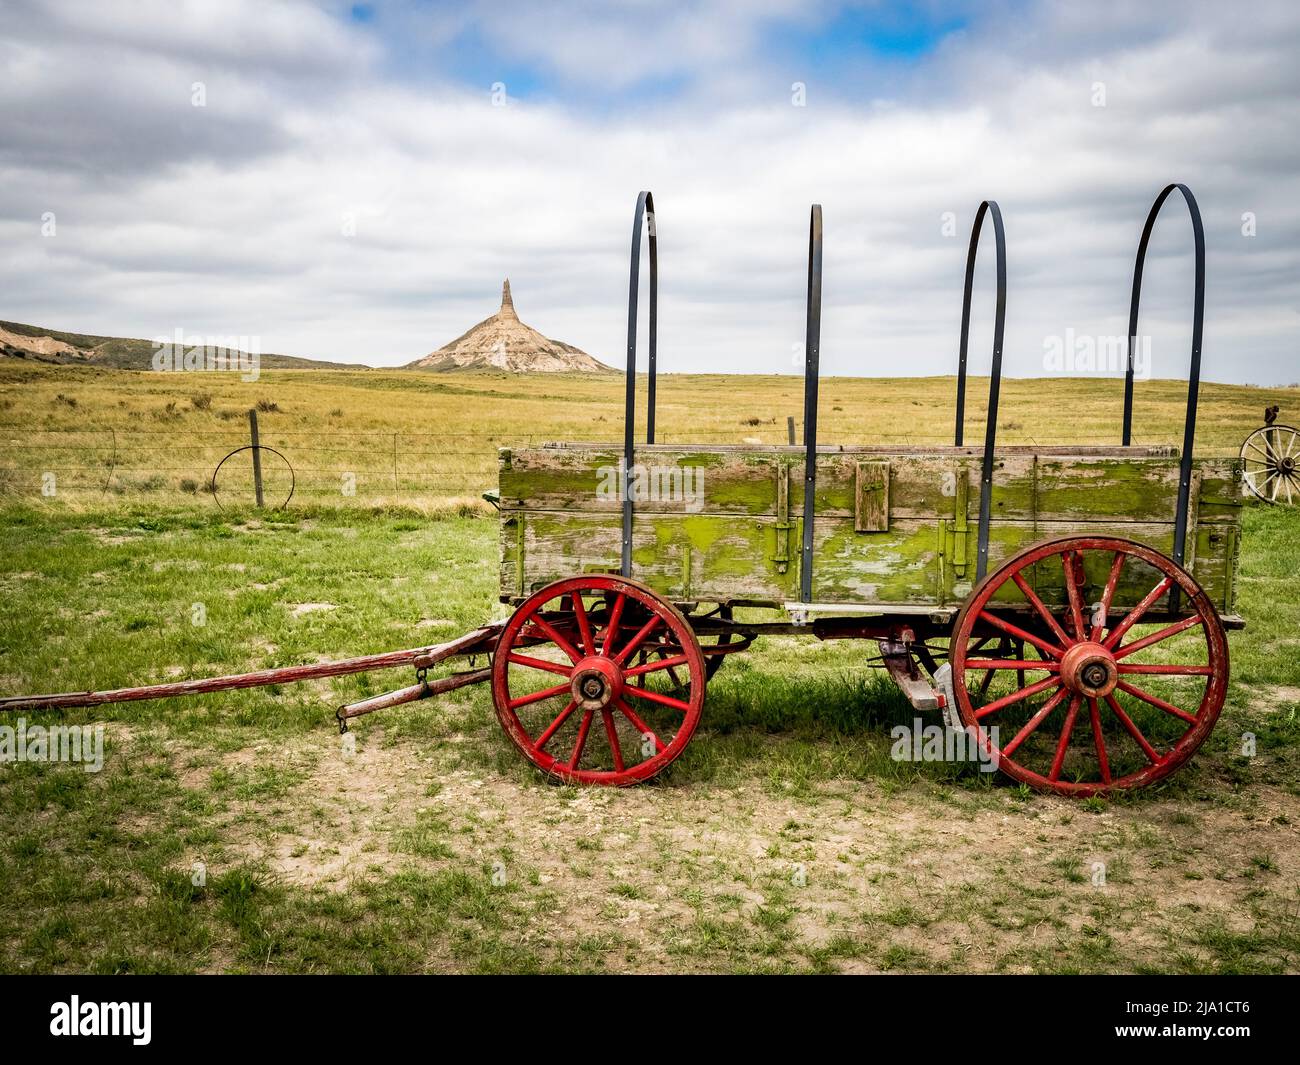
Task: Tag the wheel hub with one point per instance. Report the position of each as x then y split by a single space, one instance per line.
1288 464
596 683
1089 669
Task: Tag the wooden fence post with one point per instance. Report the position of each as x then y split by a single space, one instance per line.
789 427
257 455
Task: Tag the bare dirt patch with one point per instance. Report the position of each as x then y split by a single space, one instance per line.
664 872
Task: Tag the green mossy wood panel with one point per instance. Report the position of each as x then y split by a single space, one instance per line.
715 531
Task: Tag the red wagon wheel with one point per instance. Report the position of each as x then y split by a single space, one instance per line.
572 692
1130 690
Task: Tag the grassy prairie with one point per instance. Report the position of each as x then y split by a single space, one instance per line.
785 839
428 439
239 832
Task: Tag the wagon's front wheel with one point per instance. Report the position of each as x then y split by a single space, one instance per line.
1128 672
573 692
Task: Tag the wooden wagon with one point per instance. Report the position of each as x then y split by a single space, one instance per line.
1064 606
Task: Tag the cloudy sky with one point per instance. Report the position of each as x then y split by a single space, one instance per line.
352 181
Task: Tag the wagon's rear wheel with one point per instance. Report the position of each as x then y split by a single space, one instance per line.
573 692
1271 461
1118 696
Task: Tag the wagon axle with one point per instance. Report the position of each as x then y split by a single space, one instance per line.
596 683
1089 669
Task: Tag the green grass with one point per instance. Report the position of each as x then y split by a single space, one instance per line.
431 846
384 861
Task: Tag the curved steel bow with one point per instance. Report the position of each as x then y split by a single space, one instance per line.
645 209
812 352
1194 373
991 208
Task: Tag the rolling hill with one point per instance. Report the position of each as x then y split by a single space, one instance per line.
35 343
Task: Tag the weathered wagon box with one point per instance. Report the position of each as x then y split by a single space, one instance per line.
894 526
1069 605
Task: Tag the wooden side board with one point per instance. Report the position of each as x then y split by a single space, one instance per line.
892 527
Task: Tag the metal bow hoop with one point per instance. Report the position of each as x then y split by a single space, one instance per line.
991 208
812 346
645 210
1194 374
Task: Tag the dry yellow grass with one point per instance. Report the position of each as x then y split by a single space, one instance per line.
413 437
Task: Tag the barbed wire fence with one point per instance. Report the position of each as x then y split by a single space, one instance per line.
327 466
331 466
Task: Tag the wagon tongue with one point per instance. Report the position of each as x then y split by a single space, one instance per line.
478 641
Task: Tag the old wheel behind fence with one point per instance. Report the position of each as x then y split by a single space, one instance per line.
598 680
1272 464
1102 698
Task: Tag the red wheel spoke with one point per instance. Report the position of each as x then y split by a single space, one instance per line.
677 681
611 628
612 733
985 683
1063 745
1156 701
1021 634
654 667
539 663
1152 754
1169 670
1034 722
1020 665
1100 744
554 726
1156 637
1068 560
1108 596
1039 606
584 623
635 642
639 725
1015 697
556 637
581 741
537 697
1117 634
655 697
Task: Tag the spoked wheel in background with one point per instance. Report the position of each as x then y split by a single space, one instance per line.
577 695
1116 698
1272 464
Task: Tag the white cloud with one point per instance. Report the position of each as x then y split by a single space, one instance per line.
228 219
